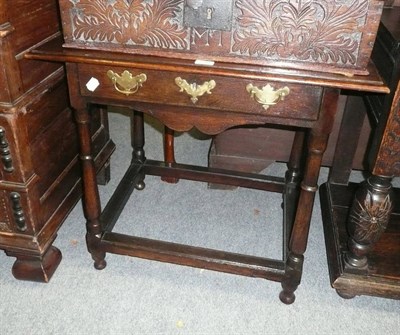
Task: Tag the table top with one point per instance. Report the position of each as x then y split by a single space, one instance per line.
53 50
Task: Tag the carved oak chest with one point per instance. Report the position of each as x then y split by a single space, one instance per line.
322 35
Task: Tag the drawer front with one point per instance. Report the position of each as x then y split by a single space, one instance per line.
12 167
24 24
268 98
33 134
322 35
14 213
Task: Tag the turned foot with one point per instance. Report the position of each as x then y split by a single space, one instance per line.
140 185
38 268
100 264
98 255
99 259
287 296
294 269
345 295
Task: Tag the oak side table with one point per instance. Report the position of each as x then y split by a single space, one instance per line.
161 87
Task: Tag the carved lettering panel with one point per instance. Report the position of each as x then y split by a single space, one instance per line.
330 32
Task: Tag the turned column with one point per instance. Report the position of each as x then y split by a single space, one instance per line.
138 154
373 201
292 182
169 153
368 218
317 143
90 198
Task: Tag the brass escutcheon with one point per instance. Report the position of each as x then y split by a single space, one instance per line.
193 89
267 96
126 83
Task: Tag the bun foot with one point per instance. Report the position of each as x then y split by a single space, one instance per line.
287 297
37 268
100 265
140 185
345 295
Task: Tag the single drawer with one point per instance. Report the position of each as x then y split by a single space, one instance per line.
204 91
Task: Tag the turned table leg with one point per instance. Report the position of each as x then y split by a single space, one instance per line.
292 181
91 198
104 174
138 155
169 153
317 142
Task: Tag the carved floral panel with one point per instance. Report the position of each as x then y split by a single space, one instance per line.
326 31
323 31
369 218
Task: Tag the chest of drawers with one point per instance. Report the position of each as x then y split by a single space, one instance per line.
334 36
39 166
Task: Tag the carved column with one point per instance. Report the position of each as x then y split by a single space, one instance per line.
368 219
373 203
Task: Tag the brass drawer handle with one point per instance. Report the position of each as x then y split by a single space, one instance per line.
267 96
193 89
126 83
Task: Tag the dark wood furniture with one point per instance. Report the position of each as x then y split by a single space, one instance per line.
246 148
362 223
39 165
183 94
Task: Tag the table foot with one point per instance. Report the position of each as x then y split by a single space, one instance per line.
98 256
100 264
99 261
140 185
345 295
37 268
287 297
294 269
